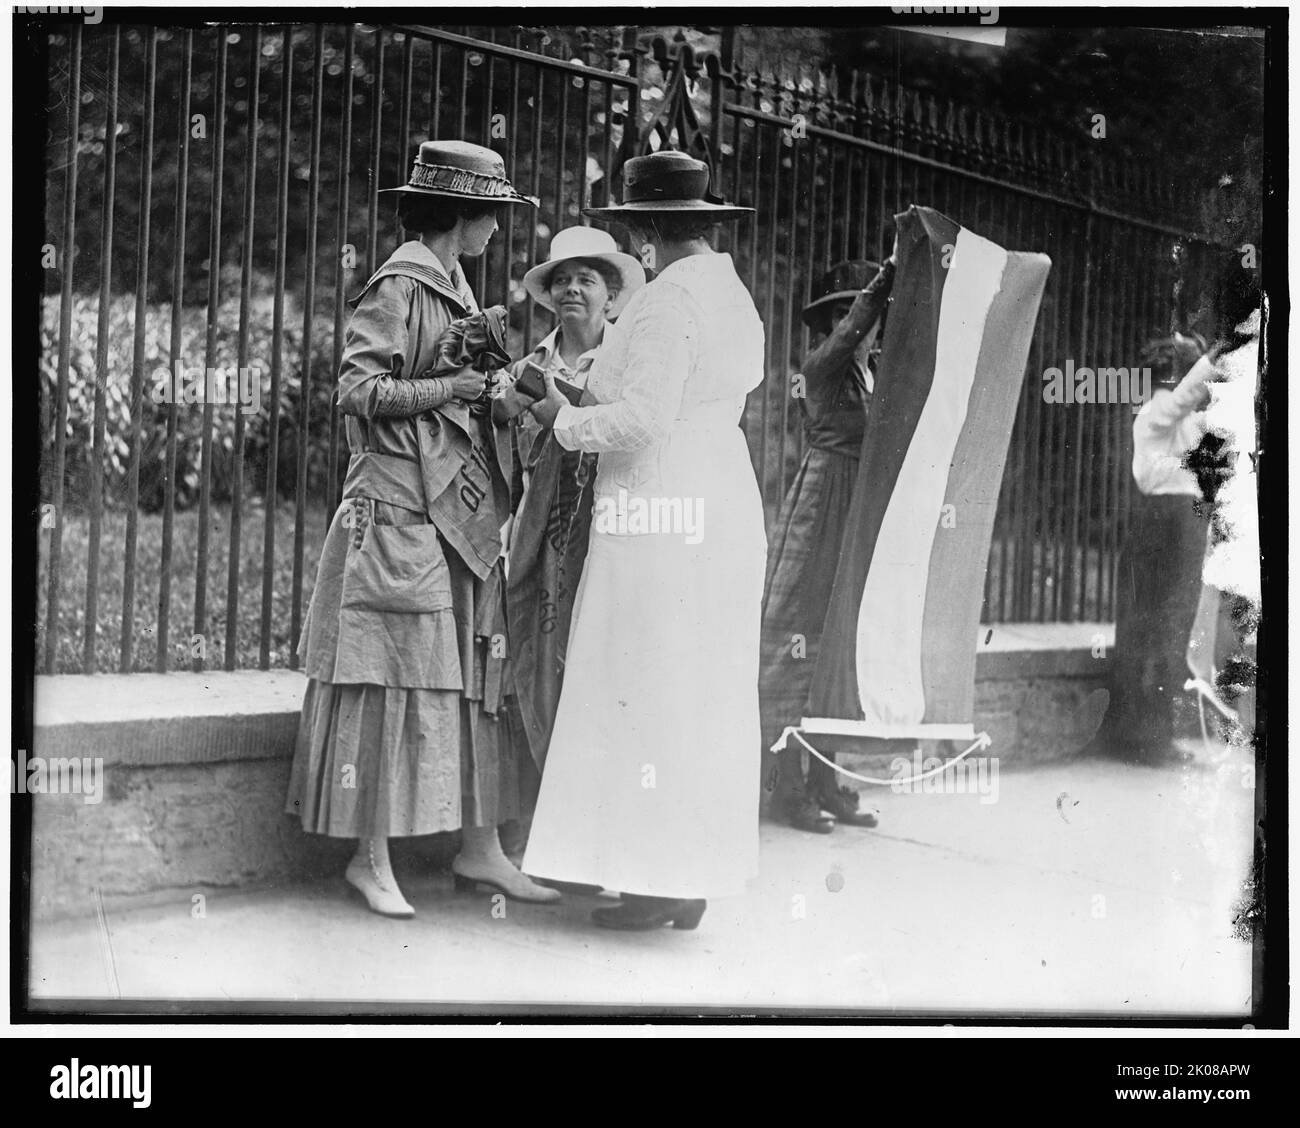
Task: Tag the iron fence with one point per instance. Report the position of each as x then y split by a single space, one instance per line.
829 159
274 142
212 199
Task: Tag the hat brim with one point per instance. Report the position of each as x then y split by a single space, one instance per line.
668 207
439 194
536 281
814 310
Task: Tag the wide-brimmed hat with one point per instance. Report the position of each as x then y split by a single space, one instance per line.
667 183
585 243
458 170
843 282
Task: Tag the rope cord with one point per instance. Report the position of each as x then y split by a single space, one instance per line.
1206 692
981 741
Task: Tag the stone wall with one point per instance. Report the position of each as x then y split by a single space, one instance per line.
195 769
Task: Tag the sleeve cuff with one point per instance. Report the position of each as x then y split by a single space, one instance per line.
1188 391
566 418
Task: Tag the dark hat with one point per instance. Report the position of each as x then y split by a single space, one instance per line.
667 183
843 282
458 170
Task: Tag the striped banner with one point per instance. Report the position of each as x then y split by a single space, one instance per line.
897 657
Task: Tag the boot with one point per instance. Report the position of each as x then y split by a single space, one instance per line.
371 875
843 803
482 862
792 803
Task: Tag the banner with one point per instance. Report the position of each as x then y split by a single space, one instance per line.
897 657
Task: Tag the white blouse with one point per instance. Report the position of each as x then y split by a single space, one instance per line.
547 356
1170 425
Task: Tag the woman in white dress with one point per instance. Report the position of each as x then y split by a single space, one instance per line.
649 786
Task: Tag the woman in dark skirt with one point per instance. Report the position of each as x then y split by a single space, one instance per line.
405 645
833 390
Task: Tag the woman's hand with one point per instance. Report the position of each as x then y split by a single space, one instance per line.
545 410
467 384
510 404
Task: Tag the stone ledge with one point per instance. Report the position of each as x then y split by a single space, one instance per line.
182 718
77 698
218 716
1013 651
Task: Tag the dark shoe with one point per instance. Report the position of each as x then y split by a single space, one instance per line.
801 811
641 914
843 804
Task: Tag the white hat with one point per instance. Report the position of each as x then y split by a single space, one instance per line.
585 243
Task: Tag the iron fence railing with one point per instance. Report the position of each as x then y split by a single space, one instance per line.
212 199
827 160
229 176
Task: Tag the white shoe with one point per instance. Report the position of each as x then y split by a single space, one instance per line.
503 878
380 891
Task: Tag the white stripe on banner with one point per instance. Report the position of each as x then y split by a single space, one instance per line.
839 726
893 598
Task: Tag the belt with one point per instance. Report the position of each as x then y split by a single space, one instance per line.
388 477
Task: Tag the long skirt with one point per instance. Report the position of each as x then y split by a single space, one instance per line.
405 652
1157 590
547 550
801 563
649 787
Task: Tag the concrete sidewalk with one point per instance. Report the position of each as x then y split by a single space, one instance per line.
1086 887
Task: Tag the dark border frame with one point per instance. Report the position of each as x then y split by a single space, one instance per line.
1271 974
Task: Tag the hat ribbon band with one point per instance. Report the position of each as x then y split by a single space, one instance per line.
448 178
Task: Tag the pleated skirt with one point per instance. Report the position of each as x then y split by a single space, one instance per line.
1157 590
402 730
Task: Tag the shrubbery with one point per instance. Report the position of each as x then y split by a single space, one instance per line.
189 435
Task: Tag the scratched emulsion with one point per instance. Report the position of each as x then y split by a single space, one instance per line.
1233 566
1248 912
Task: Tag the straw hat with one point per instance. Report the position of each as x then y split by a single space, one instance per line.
585 243
458 170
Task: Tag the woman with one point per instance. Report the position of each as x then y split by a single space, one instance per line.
404 644
1158 575
649 785
586 282
1181 460
833 391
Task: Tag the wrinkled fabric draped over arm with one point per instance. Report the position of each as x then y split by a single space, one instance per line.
375 353
663 337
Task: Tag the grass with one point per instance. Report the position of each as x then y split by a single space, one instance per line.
75 555
184 565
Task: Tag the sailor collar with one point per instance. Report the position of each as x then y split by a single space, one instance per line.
414 260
